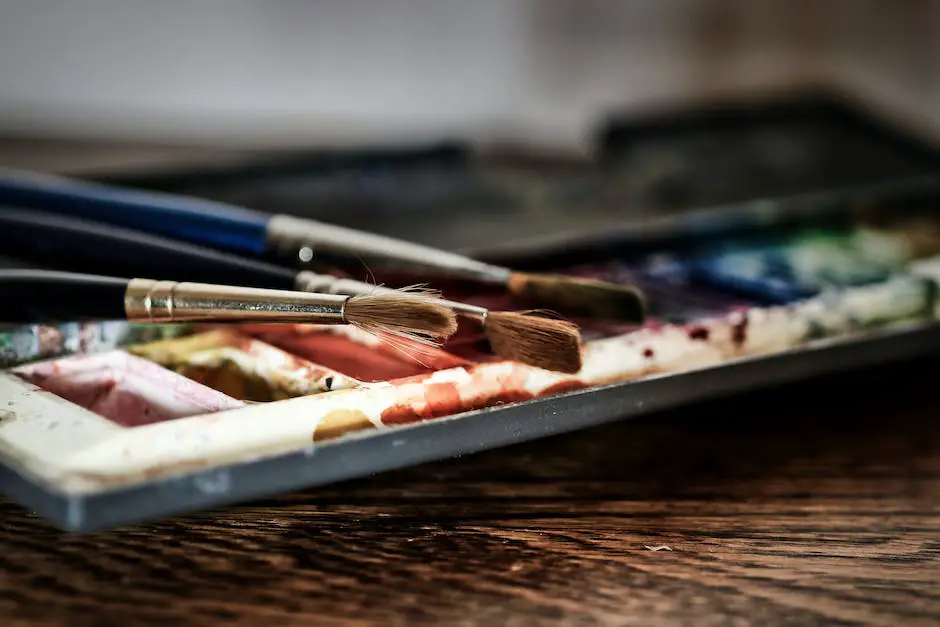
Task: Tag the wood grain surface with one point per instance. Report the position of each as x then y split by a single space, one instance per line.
816 504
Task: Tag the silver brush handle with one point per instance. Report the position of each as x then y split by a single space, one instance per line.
170 301
325 284
290 232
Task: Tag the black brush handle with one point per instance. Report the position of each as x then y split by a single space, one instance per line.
78 245
44 296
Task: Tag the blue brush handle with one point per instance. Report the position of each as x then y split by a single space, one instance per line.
191 219
77 245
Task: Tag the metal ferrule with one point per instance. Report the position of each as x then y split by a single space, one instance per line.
326 284
290 232
170 301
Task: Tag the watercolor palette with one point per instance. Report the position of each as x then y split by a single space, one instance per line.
109 424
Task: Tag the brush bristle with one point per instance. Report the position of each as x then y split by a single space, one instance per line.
536 341
578 298
405 315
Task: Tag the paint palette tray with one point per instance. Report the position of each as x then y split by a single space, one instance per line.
102 426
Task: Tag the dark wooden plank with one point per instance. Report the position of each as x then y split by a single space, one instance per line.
816 504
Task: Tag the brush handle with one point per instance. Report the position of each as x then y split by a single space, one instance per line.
294 233
59 241
190 219
226 226
63 242
38 296
34 296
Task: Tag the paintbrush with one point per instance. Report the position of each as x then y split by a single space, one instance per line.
243 230
518 336
81 245
38 296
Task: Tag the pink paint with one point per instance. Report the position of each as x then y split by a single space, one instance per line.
365 363
125 389
487 385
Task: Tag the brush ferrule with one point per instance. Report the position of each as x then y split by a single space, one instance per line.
295 233
324 283
468 311
307 281
170 301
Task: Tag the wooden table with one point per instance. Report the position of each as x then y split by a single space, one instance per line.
816 504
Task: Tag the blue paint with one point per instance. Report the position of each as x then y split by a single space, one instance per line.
784 269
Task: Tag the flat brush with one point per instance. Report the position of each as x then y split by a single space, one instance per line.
62 242
38 296
517 336
243 230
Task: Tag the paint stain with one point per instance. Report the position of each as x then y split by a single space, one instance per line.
400 414
699 334
442 398
497 388
487 387
563 386
366 363
739 331
340 421
431 400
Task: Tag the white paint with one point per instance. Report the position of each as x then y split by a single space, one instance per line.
42 431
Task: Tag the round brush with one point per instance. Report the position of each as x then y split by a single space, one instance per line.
36 296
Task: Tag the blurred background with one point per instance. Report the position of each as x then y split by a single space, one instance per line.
522 118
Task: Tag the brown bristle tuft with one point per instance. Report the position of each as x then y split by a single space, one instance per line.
578 298
536 341
402 315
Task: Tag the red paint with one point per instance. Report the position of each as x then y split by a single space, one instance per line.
103 393
400 415
432 400
699 333
489 388
648 353
563 386
418 378
125 389
360 362
442 398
